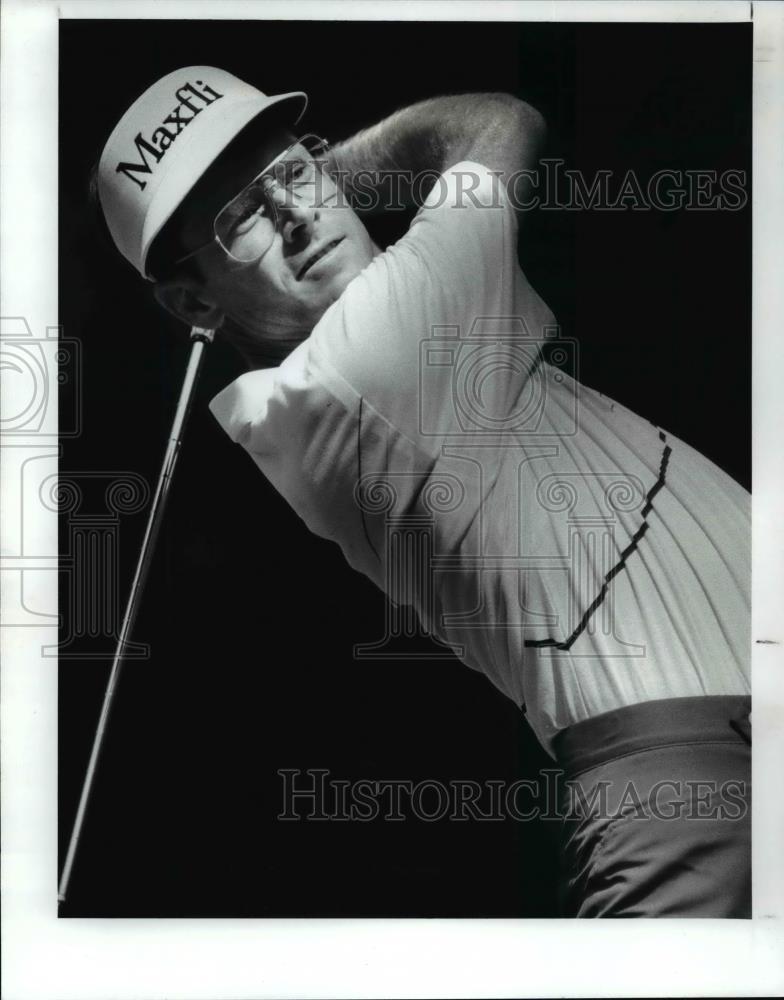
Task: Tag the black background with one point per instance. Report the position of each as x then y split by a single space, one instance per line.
250 619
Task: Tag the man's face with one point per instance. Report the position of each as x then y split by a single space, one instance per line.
317 246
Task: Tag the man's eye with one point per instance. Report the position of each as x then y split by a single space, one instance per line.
297 172
249 210
246 213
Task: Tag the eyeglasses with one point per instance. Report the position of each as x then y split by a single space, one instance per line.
245 227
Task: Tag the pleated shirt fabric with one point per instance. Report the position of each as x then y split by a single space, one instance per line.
433 426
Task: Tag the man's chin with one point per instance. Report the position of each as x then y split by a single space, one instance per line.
331 291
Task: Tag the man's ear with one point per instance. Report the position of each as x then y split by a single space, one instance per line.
184 298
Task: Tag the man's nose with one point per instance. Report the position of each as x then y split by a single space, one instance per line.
295 217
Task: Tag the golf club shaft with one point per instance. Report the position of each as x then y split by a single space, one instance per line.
200 338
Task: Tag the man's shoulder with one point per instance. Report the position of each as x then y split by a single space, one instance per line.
467 187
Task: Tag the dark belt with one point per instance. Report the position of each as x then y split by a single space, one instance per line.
649 724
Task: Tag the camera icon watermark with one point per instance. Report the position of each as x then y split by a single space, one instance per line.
495 379
42 405
37 372
32 369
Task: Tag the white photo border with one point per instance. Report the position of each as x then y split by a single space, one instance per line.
91 958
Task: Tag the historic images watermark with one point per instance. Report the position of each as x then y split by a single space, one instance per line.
313 795
551 186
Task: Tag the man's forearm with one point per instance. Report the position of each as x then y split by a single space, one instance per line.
500 131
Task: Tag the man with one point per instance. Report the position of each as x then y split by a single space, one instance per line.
416 406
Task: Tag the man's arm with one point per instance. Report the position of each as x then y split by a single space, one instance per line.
499 131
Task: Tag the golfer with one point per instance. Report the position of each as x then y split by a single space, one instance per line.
419 406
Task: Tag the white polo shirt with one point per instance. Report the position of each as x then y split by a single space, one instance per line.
579 556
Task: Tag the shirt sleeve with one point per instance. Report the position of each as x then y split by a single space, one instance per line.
456 265
345 403
466 225
302 427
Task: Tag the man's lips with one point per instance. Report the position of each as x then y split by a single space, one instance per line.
316 255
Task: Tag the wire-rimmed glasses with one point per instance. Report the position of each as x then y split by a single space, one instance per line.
246 225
